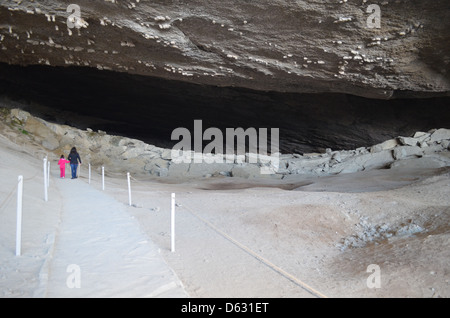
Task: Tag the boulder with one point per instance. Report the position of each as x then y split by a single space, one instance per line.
157 167
386 145
67 140
166 154
364 162
421 134
336 157
37 127
431 162
375 161
408 141
178 170
403 152
440 134
19 114
445 144
306 163
51 143
132 152
436 148
41 132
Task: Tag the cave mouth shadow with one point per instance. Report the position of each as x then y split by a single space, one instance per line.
149 109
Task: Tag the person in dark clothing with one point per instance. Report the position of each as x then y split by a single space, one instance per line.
74 158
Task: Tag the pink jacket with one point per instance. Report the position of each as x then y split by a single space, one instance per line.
62 162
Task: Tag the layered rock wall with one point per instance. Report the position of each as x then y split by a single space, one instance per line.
285 46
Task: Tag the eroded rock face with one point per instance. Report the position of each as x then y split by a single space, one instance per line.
121 154
284 46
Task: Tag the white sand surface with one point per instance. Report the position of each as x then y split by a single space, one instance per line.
234 238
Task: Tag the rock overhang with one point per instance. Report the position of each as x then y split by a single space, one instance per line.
295 47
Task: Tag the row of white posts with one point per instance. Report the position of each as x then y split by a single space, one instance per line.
46 185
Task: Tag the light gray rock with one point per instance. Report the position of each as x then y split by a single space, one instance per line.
166 154
440 134
306 163
364 162
66 140
445 144
51 143
421 136
157 166
403 152
178 169
433 149
375 161
131 153
388 144
408 141
432 162
336 156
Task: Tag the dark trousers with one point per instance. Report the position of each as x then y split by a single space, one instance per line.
74 170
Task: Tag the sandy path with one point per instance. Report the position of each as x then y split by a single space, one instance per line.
114 258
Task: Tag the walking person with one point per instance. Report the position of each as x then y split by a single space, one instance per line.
62 166
74 158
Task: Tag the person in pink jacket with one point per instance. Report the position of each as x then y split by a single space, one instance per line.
62 166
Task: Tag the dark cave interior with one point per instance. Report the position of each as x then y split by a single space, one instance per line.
149 108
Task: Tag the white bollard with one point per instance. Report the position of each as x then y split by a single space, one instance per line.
129 188
45 180
89 173
172 223
48 174
103 178
19 216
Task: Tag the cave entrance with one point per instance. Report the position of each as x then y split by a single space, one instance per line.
149 108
